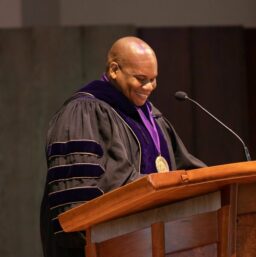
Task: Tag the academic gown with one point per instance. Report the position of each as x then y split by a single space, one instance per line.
97 142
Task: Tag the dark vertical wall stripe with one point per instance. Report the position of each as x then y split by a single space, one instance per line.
250 36
209 64
219 82
172 47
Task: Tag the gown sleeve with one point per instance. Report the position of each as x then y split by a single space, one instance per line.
86 155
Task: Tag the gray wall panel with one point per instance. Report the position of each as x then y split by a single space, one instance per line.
39 69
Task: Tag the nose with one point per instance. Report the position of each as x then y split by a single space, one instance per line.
149 85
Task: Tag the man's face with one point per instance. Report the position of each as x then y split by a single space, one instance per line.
137 80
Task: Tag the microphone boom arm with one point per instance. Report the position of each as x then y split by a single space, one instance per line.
183 96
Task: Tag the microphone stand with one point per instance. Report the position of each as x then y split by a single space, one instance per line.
183 96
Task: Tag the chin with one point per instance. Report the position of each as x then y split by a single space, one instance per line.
140 103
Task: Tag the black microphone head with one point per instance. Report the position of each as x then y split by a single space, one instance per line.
180 95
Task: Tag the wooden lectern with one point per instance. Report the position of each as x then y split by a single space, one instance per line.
176 214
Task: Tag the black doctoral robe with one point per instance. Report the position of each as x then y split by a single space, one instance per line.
95 143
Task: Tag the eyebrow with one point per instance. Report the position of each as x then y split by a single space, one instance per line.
144 76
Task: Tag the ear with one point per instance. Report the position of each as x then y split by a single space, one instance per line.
113 69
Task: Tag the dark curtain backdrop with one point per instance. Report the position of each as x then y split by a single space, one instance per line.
41 67
210 64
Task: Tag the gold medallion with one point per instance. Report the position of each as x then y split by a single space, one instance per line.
161 164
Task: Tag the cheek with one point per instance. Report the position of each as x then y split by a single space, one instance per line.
133 86
129 87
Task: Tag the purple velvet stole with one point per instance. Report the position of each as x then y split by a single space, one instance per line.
106 92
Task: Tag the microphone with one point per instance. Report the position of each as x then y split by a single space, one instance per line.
182 96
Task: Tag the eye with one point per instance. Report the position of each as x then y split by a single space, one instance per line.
141 79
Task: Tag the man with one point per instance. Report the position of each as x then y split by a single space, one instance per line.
105 136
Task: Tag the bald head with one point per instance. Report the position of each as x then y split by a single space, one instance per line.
132 68
130 50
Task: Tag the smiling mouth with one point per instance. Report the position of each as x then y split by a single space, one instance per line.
144 96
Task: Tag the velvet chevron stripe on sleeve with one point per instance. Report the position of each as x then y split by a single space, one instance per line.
73 195
74 146
72 171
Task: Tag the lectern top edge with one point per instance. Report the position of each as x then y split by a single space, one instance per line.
153 189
